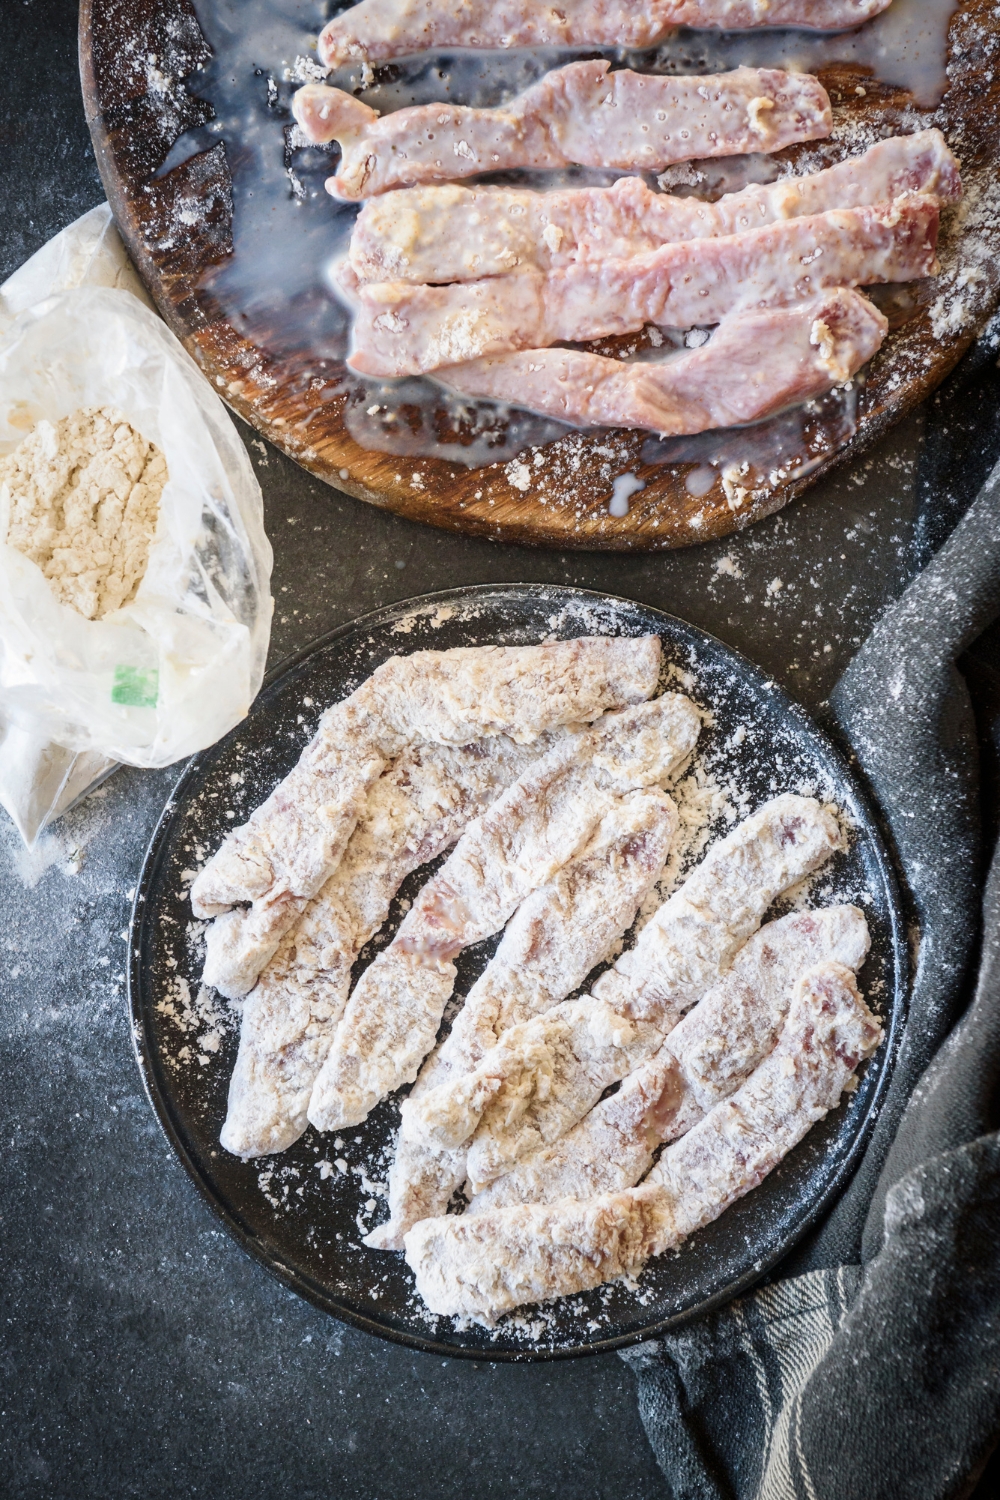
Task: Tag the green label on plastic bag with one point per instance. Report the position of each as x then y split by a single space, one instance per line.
136 687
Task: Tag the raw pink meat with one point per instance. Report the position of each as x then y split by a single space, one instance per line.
401 329
454 233
378 29
754 364
581 115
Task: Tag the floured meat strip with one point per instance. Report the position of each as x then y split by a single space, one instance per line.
378 29
612 1147
542 822
541 1078
723 1038
414 811
294 841
580 115
400 329
554 939
544 1076
563 930
691 941
703 1060
482 1265
455 233
753 365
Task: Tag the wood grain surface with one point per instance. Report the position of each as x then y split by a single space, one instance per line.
135 115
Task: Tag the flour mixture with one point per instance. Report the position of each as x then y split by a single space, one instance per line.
80 497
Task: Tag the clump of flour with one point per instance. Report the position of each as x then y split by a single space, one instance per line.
80 497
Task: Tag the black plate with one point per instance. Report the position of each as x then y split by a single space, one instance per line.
303 1220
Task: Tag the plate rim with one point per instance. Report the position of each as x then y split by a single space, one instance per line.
302 1284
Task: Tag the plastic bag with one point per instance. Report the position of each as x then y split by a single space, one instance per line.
176 668
88 252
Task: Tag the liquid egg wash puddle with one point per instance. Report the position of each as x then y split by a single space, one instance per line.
276 288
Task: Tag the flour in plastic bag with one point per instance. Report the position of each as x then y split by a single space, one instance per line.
76 332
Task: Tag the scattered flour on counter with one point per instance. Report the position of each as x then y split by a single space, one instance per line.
63 848
47 852
80 497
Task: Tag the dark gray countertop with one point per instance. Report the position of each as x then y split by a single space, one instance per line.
143 1353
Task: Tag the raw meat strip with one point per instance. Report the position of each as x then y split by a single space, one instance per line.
580 115
378 29
554 939
454 233
414 811
703 1060
294 841
482 1265
544 1076
536 827
401 329
754 364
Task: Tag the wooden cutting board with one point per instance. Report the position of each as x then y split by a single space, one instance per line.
179 229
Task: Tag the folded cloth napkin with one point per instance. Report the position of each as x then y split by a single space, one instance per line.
873 1368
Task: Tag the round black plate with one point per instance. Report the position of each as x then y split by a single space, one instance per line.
302 1214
